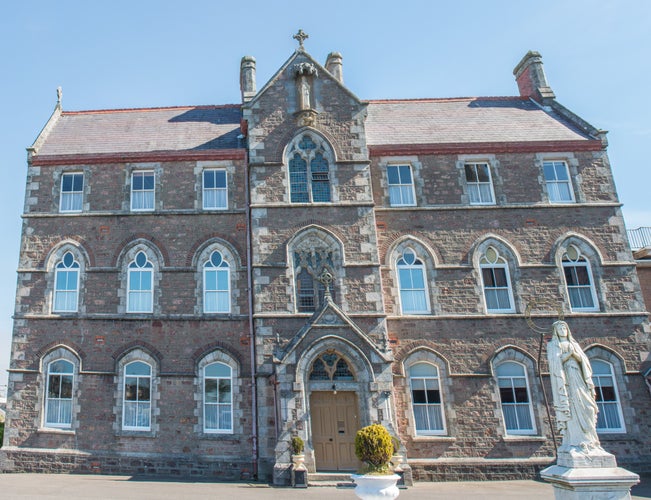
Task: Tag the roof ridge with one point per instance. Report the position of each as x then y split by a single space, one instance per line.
449 99
160 108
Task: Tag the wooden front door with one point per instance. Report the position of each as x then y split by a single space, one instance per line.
334 424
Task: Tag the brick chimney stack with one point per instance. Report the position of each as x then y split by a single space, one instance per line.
247 78
335 66
531 78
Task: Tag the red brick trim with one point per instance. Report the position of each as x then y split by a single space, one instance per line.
485 147
203 351
138 344
66 344
201 243
129 240
153 156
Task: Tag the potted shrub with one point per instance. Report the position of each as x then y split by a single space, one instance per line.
297 446
374 447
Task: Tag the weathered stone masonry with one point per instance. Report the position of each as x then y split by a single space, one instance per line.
331 214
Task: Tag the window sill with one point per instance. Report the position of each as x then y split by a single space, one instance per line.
434 437
611 435
55 430
520 438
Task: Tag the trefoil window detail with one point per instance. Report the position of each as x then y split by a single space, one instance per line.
140 288
309 172
413 287
66 284
216 284
496 282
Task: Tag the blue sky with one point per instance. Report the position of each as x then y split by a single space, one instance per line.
124 54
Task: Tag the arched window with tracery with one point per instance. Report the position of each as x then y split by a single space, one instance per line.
216 284
331 366
414 298
140 288
66 284
496 281
309 171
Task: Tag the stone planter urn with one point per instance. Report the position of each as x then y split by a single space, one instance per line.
376 487
298 460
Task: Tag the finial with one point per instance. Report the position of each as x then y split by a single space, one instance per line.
326 279
59 96
301 36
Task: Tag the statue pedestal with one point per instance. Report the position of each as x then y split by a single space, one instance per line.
579 476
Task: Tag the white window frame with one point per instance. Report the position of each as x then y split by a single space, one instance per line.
222 267
59 269
598 379
71 197
440 405
148 267
477 185
137 402
143 191
229 404
214 191
582 261
553 184
416 265
529 403
487 261
401 188
60 403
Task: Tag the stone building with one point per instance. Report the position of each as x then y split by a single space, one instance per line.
198 284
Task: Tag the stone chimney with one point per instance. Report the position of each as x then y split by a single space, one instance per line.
247 78
531 78
334 66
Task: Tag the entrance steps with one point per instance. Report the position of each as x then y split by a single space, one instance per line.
330 479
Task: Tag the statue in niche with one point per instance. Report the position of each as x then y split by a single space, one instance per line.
304 85
573 391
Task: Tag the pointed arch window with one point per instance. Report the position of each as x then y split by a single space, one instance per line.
578 279
413 286
217 398
136 413
426 399
140 287
58 400
496 282
310 292
309 172
66 284
216 284
609 418
331 366
515 399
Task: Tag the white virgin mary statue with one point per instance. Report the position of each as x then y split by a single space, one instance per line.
573 391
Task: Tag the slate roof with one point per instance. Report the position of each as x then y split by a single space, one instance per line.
464 120
204 129
193 128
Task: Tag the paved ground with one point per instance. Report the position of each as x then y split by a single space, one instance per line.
72 487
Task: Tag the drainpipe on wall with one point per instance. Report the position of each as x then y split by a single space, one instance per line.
249 277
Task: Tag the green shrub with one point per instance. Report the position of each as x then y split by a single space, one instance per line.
2 432
297 445
374 447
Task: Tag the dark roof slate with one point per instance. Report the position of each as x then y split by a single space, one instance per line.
464 120
194 128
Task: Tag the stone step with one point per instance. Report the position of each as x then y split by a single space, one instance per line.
330 479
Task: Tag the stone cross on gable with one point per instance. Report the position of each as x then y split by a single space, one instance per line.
326 280
301 36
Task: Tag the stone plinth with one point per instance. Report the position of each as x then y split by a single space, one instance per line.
578 476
